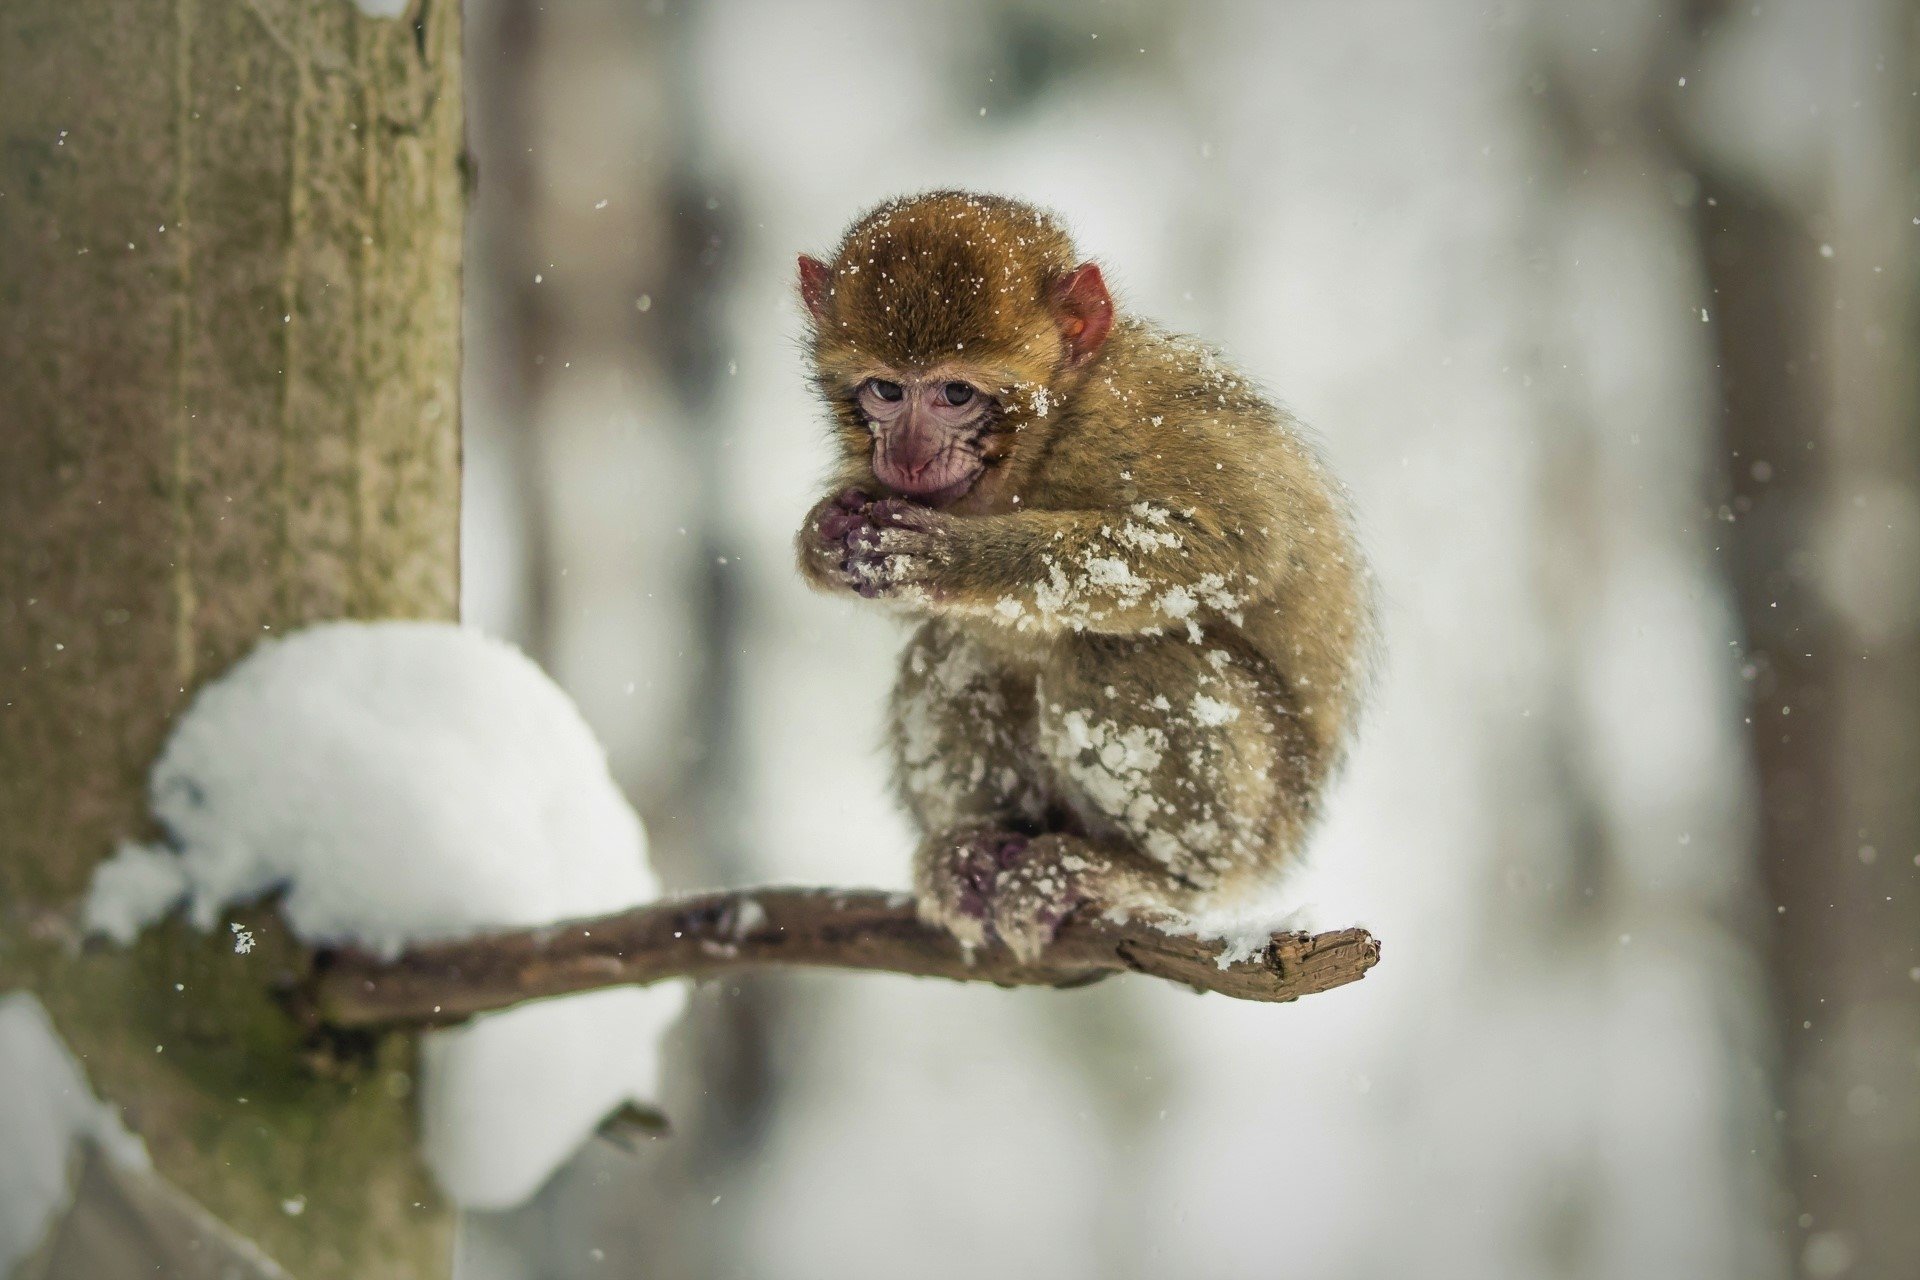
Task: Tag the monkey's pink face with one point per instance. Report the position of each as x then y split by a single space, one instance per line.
928 435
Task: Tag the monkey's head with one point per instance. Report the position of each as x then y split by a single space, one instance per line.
942 333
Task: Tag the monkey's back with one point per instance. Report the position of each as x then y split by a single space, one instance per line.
1183 428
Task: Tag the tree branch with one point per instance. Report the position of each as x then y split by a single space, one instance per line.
717 933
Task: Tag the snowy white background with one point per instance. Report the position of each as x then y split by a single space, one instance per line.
1501 335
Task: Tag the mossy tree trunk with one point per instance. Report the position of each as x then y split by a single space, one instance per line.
229 339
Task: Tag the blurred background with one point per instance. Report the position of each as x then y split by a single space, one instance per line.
1606 313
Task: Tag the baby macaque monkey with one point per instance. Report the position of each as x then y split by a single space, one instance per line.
1142 612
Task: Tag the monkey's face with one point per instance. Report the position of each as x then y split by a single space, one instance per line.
941 433
929 433
942 332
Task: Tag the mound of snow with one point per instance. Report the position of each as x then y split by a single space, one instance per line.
46 1112
400 782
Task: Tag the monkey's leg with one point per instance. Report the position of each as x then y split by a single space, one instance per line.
966 766
1188 780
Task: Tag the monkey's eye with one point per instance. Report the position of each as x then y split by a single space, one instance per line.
957 393
888 391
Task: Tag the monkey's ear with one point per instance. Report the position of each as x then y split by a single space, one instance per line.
1085 309
816 282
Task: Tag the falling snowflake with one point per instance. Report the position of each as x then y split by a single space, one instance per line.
242 939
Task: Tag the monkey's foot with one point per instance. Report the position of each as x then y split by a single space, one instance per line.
1000 884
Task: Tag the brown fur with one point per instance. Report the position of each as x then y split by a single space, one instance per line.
1142 631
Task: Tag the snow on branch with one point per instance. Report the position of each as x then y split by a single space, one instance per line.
714 933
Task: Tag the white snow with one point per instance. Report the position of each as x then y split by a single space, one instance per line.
1212 711
1244 929
46 1111
1112 763
400 782
135 887
585 1055
383 8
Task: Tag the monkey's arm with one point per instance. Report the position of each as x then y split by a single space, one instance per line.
1144 568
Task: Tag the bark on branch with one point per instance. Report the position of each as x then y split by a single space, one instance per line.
716 933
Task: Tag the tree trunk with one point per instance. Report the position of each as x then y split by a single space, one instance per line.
229 344
1817 402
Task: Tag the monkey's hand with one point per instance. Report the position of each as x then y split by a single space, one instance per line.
880 548
822 543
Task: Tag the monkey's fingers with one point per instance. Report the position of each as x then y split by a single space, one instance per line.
837 524
898 513
901 541
904 542
877 549
892 578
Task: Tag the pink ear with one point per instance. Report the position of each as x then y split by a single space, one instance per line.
1086 310
816 282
